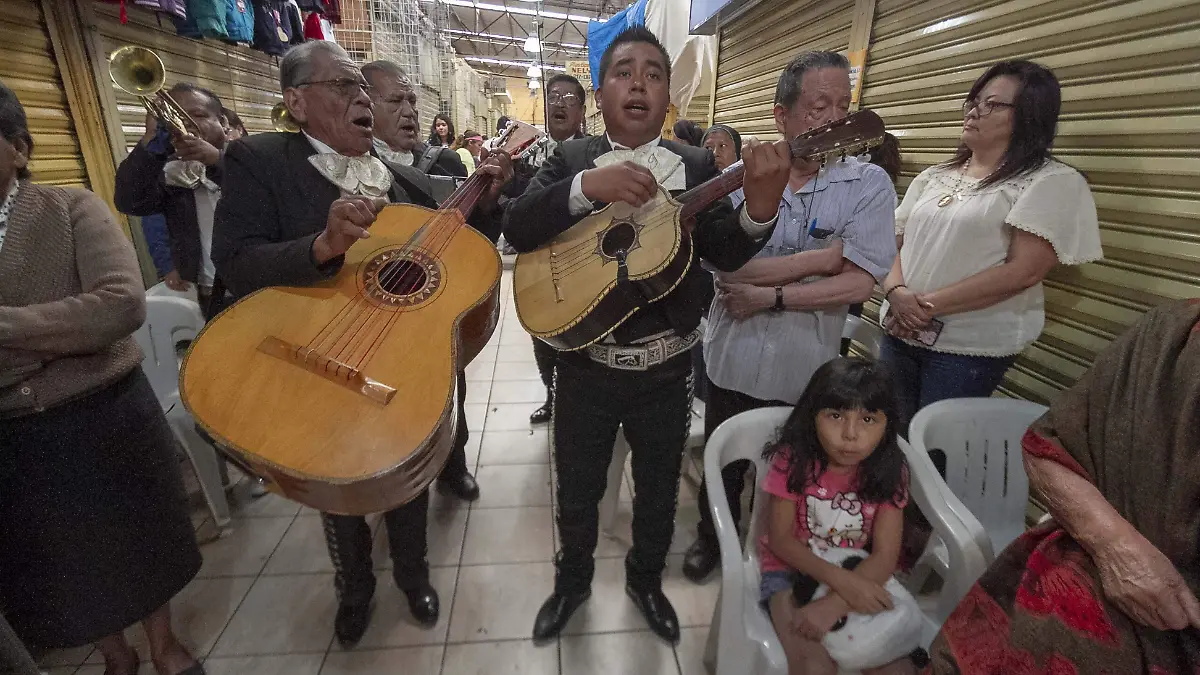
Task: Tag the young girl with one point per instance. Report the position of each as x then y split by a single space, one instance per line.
837 479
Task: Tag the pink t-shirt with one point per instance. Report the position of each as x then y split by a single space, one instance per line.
829 510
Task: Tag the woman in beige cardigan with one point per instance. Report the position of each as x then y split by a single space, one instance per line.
92 519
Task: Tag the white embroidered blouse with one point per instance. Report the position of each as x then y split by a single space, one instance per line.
946 244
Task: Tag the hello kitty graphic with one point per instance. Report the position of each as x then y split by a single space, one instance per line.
838 521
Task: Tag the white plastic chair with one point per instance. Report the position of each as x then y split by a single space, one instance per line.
742 640
170 320
984 469
863 332
161 289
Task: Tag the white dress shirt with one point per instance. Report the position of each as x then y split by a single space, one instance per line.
579 203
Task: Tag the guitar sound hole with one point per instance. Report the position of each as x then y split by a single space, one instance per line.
621 236
402 277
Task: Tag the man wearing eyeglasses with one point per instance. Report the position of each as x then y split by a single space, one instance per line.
293 204
565 100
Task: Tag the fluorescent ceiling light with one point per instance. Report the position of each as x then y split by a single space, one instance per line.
517 10
534 71
532 45
508 38
503 62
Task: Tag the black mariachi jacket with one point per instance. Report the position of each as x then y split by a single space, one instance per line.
542 213
141 190
275 203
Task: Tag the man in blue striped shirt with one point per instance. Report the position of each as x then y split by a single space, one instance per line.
780 317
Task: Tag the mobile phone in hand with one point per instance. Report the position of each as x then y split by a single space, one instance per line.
929 334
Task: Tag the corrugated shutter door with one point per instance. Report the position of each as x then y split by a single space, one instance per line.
27 67
755 48
246 81
1130 73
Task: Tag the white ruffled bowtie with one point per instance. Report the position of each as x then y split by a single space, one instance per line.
394 156
365 175
664 164
188 174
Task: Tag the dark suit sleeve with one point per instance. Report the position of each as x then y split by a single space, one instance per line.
139 186
718 235
543 211
246 247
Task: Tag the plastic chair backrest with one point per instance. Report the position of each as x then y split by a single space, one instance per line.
984 467
168 320
863 332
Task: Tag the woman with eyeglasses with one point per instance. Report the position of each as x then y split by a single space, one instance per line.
977 235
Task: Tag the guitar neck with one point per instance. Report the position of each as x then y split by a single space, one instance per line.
467 196
702 196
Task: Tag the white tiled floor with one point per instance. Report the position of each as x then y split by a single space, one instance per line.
264 602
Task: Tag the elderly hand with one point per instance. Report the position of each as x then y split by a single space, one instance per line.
1143 583
768 168
348 220
499 166
195 148
743 300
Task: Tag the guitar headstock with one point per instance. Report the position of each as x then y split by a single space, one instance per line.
848 136
517 138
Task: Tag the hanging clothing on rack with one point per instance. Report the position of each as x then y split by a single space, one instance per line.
293 21
266 29
313 30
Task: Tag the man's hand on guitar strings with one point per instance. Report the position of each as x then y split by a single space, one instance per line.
768 167
499 166
623 182
349 218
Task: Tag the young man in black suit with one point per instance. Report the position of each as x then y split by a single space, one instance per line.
293 205
647 390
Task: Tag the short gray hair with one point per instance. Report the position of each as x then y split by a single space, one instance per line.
788 88
296 68
383 67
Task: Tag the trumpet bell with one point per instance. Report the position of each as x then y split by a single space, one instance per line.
282 120
137 70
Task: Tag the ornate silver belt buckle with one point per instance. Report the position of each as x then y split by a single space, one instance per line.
627 359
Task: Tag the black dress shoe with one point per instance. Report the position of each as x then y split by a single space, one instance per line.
555 613
350 624
701 558
462 486
543 414
423 603
657 610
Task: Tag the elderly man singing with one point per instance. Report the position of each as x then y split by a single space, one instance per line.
293 204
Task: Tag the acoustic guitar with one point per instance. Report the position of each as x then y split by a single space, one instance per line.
342 395
576 289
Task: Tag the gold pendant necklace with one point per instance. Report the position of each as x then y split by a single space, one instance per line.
957 193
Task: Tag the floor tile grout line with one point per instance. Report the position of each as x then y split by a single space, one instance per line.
250 588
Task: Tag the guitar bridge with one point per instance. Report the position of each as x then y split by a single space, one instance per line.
331 369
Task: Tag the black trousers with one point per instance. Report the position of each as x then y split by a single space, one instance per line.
349 537
545 356
721 405
590 402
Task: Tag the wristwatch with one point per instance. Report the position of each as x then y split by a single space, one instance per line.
778 299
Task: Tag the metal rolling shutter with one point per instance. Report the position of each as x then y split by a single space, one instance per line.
247 81
1130 122
755 48
28 67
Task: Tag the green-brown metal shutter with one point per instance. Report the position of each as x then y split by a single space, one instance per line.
755 48
27 66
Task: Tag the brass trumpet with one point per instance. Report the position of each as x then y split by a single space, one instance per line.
139 71
282 120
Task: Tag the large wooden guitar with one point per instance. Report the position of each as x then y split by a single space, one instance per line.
585 282
341 396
